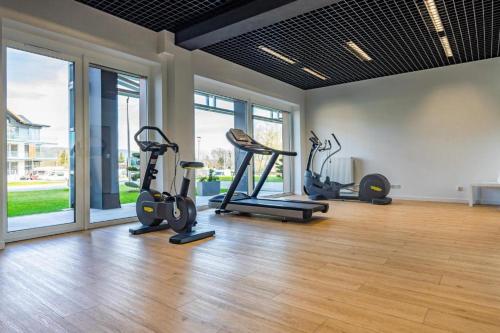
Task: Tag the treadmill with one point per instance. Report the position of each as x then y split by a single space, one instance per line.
250 204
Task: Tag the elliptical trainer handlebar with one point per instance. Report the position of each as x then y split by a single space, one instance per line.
337 141
314 139
325 146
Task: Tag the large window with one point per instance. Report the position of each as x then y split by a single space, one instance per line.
214 116
268 130
115 102
39 114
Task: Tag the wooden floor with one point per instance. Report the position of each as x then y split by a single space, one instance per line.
408 267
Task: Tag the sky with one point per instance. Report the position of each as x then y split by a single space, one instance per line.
37 88
211 128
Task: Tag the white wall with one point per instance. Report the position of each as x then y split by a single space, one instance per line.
73 19
210 66
427 131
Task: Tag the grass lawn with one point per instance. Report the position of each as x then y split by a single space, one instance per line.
22 203
49 201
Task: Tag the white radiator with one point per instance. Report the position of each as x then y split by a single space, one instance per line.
340 169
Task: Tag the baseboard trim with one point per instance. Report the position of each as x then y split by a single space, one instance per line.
429 199
488 202
438 199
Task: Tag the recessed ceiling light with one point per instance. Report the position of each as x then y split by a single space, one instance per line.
277 55
358 52
446 46
434 14
315 73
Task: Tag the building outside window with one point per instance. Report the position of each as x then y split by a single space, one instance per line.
26 135
11 168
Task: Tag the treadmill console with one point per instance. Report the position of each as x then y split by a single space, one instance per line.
240 135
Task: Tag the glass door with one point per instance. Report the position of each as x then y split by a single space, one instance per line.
117 105
270 128
214 116
40 139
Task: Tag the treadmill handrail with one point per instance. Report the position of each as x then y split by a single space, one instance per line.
243 141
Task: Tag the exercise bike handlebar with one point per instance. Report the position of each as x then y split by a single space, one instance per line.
147 145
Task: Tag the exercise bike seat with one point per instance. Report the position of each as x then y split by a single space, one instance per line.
191 165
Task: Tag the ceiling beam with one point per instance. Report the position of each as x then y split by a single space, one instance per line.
242 19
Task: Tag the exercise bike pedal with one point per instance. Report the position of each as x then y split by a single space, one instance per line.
222 211
145 229
188 237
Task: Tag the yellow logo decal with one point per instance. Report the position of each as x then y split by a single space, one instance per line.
375 188
148 209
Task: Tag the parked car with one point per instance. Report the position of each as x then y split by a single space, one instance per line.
49 174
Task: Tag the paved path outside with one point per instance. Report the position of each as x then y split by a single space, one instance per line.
50 219
27 188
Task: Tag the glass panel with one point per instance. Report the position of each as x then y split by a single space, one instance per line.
40 129
115 101
269 133
213 149
261 112
226 104
201 99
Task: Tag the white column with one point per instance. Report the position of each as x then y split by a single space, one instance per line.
3 144
178 106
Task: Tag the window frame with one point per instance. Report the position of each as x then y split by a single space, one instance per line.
19 42
120 66
286 121
287 144
30 39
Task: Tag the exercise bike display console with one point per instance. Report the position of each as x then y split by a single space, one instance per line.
161 210
241 202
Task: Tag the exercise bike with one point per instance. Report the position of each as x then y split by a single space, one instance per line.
373 188
160 210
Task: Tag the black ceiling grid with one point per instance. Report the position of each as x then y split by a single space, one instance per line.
398 34
159 15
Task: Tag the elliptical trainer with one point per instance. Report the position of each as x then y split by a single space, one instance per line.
373 188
